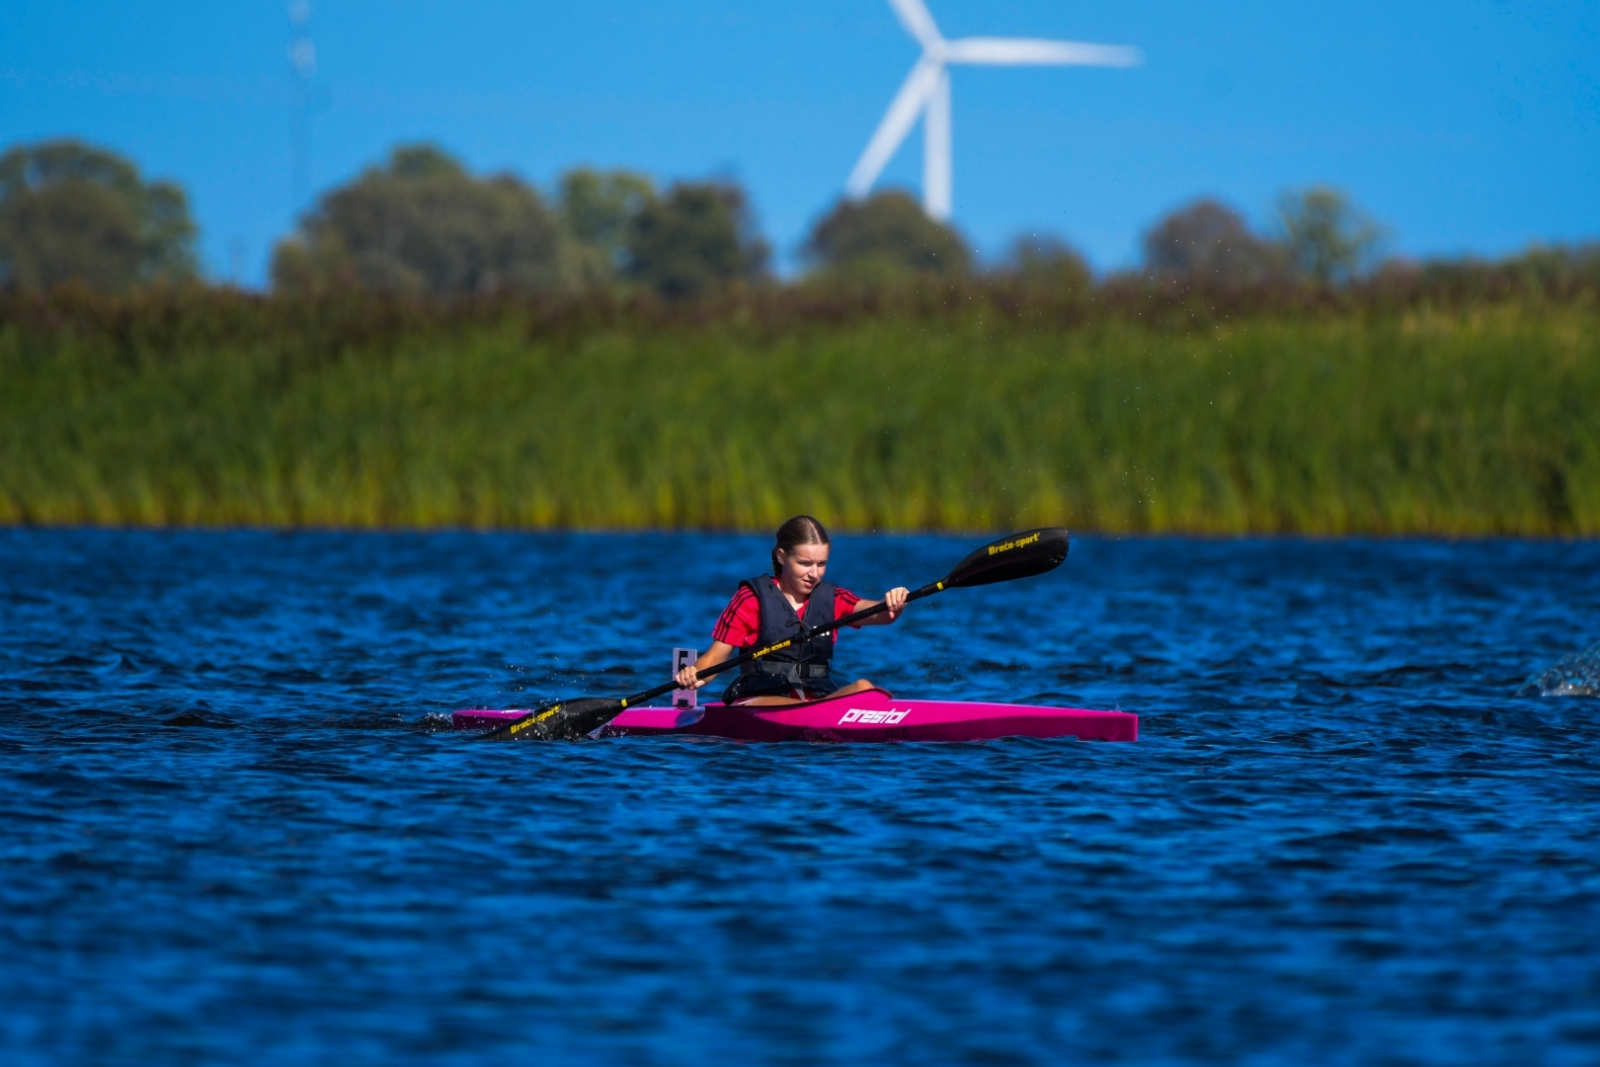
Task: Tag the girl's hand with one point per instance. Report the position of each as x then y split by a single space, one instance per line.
896 600
689 677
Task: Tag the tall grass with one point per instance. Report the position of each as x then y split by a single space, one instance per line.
955 410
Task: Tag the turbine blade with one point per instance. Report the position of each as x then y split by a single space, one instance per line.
913 15
1017 51
897 122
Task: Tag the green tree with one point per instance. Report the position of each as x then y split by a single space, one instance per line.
422 223
1328 238
1207 241
1044 261
1550 267
697 238
596 210
69 211
884 237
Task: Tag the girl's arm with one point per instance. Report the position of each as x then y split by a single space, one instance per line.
688 678
895 598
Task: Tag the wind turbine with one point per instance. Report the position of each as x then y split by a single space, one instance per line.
926 91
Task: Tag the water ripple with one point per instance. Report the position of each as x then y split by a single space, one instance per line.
238 826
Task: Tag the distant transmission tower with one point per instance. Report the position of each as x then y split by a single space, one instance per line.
303 66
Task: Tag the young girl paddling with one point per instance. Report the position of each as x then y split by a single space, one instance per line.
769 608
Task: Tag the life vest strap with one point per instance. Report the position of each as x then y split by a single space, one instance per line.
791 671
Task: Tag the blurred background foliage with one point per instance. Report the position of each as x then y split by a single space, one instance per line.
422 224
70 212
444 348
1210 242
697 239
597 209
884 238
967 405
1327 238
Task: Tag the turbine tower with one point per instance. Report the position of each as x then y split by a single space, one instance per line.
926 92
303 63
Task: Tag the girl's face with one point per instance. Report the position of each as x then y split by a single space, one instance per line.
803 567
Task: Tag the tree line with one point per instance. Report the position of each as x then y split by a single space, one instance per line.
421 223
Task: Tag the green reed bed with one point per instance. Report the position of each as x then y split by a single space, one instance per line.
972 414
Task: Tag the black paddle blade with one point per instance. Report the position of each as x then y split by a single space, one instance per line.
1021 555
570 720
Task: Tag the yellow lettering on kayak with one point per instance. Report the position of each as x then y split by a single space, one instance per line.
1021 542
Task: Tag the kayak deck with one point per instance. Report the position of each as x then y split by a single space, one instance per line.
873 715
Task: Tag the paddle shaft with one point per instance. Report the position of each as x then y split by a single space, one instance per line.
803 636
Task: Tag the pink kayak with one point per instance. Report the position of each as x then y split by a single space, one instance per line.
874 715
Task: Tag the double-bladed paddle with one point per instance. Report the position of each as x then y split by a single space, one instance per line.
1021 555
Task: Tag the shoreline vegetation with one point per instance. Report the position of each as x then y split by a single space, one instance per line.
448 349
1459 402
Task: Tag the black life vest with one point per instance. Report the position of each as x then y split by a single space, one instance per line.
801 662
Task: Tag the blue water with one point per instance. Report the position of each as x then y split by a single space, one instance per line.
233 830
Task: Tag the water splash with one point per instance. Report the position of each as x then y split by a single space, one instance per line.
1577 675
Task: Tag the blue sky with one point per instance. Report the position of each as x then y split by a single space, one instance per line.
1464 126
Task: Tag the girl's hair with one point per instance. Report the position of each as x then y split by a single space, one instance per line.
800 530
